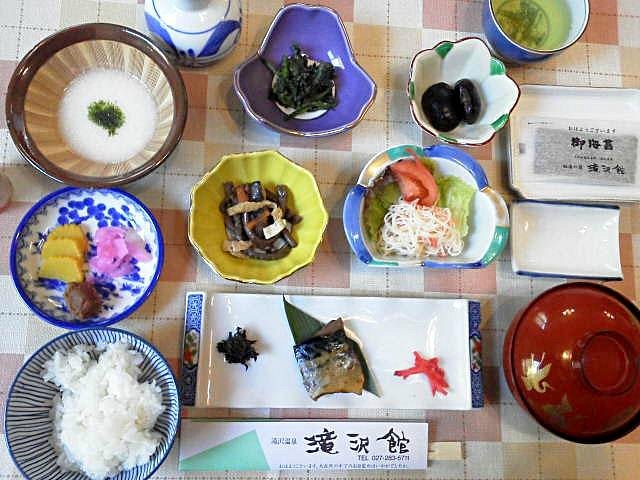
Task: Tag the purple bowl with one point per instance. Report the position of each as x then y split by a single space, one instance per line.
320 33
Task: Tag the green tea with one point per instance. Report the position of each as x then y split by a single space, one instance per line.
535 24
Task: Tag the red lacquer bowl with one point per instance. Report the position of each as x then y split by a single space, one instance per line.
572 360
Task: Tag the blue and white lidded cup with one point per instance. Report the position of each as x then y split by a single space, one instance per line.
198 32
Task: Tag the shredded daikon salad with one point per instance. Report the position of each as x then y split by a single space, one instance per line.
412 230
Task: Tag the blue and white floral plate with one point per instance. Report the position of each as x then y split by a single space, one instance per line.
92 209
28 425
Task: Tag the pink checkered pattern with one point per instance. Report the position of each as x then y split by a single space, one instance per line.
501 441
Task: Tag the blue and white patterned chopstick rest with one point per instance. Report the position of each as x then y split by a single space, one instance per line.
193 317
475 354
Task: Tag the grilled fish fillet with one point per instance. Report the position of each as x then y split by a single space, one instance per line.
329 363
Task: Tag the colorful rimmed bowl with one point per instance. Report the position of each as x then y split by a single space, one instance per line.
452 61
28 426
488 220
320 33
41 77
206 225
513 52
91 209
572 360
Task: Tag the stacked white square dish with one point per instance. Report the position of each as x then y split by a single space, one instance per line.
576 144
565 240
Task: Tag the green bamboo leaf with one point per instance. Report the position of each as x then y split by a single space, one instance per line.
370 384
303 326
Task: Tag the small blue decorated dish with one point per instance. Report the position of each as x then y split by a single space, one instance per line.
488 219
28 420
92 209
321 35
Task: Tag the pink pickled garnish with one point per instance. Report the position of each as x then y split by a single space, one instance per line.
115 248
430 368
137 247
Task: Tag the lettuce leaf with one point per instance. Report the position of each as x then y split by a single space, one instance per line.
378 201
456 195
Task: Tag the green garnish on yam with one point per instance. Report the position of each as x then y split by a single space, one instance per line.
107 115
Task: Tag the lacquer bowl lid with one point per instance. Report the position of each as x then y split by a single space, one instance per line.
572 359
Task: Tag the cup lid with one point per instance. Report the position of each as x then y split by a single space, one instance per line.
575 359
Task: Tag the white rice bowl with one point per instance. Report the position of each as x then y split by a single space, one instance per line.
103 418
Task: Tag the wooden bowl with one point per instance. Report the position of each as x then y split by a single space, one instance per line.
39 82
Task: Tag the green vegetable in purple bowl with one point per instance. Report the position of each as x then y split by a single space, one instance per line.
302 87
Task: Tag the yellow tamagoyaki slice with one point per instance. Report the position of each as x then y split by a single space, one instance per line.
63 247
67 269
70 230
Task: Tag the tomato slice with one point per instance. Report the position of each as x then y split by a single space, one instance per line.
411 188
416 182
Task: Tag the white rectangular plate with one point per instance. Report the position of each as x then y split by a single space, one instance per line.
598 108
565 240
390 329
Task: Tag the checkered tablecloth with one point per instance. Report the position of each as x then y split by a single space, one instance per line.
500 440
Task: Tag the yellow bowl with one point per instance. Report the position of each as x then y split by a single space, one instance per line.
206 225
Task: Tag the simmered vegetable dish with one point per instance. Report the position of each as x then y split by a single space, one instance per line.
258 221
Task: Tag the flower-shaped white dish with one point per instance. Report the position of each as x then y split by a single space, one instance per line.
565 240
452 61
92 209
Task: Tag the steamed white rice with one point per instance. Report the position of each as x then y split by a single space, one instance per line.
104 417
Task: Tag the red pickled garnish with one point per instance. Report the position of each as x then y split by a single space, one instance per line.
429 367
